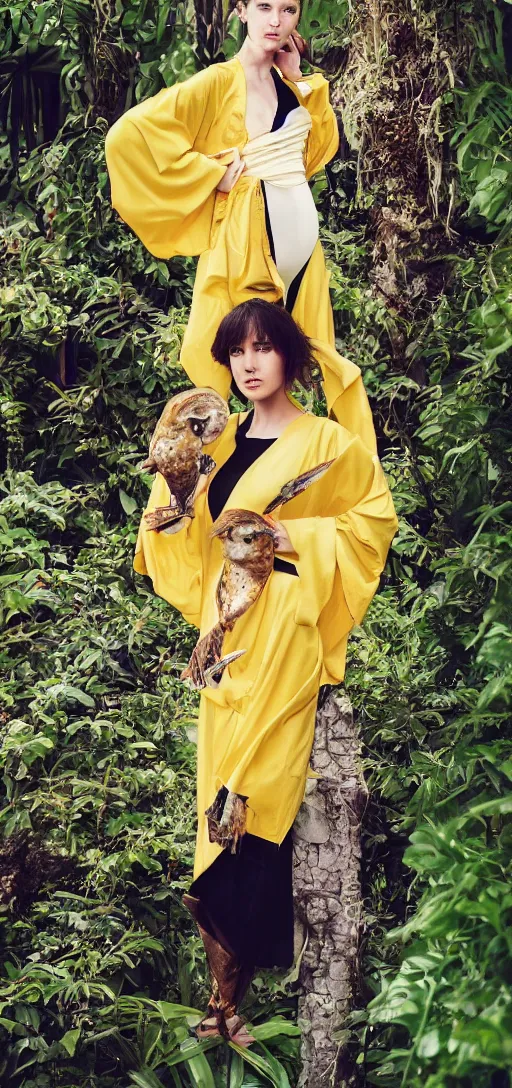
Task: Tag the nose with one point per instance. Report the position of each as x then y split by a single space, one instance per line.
249 362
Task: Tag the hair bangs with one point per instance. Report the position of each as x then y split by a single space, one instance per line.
266 322
247 323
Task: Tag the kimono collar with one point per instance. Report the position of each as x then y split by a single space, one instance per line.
240 77
288 456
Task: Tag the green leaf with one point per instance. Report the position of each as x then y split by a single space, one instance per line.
237 1070
70 1040
274 1027
128 503
269 1066
429 1044
197 1066
146 1078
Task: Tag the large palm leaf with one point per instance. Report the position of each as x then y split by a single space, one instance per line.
211 24
30 102
34 92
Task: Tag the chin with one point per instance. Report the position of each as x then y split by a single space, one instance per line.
271 46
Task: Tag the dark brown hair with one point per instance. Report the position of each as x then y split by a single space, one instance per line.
267 321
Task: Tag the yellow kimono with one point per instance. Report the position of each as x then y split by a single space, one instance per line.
256 729
164 185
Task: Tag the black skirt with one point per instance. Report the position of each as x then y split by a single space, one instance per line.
249 898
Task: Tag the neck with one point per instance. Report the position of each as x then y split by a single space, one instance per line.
272 415
256 61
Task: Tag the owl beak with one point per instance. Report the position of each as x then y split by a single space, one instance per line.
220 533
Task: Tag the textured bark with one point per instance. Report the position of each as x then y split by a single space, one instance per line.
327 893
401 63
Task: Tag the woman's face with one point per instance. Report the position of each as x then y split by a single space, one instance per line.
258 369
270 23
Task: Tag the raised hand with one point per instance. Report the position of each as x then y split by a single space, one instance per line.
289 57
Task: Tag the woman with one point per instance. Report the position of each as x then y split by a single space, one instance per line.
256 728
253 221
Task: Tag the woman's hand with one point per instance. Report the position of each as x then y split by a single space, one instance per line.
289 57
282 541
232 174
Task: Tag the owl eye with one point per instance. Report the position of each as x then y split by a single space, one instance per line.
197 426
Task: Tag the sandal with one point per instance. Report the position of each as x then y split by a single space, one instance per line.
211 1025
237 1031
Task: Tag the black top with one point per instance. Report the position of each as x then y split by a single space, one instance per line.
286 101
246 453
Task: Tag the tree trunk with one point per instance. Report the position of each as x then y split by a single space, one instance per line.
401 63
327 892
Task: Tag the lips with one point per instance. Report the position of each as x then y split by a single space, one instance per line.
252 383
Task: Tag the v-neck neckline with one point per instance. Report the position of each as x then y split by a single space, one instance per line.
245 97
264 453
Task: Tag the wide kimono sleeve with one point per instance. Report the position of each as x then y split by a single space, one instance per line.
174 562
323 139
342 548
161 185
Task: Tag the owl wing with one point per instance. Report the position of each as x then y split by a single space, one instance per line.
237 590
298 485
180 463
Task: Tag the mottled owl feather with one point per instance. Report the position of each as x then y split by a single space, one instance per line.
248 546
248 542
189 421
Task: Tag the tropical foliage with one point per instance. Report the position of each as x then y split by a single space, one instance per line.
102 973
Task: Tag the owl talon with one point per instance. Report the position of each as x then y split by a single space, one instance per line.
206 464
165 517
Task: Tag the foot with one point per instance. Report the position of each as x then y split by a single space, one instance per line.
210 1025
237 1031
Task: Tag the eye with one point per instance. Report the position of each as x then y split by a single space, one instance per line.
235 351
197 426
248 539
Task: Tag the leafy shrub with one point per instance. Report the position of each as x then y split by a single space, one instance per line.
102 970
